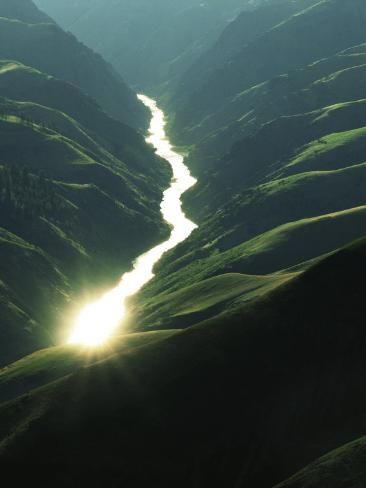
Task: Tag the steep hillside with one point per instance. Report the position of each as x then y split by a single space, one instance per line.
248 27
80 199
327 82
316 32
248 398
45 46
23 83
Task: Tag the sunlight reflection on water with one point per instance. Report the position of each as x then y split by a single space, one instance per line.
97 321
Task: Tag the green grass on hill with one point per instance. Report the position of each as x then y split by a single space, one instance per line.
35 45
333 151
342 468
25 301
204 299
282 247
48 365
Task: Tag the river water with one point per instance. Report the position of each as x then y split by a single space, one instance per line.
98 321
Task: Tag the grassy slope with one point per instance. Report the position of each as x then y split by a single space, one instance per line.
64 151
258 409
280 248
32 289
248 27
250 160
47 47
206 298
23 83
330 81
48 365
271 227
344 467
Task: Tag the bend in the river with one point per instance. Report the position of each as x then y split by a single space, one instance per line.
99 320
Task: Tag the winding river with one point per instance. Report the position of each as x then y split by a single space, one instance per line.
98 321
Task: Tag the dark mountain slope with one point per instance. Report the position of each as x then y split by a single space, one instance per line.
50 364
329 81
259 410
45 46
316 32
327 139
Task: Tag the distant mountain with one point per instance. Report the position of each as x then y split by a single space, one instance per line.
37 41
150 43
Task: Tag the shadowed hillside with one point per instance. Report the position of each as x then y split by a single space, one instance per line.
252 419
318 31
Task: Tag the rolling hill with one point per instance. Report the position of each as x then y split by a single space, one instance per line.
250 418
